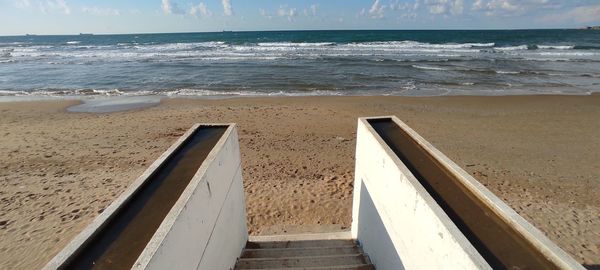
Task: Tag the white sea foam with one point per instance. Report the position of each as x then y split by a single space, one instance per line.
569 54
218 50
6 53
224 93
555 47
12 93
72 92
506 72
419 45
16 43
512 48
428 67
295 44
179 46
73 42
183 92
215 51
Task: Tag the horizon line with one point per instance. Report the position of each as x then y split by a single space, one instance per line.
291 30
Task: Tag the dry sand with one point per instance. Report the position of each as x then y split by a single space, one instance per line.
58 170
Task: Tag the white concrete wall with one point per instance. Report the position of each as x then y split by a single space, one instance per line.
401 226
206 229
398 224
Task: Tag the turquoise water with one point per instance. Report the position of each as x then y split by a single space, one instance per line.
418 63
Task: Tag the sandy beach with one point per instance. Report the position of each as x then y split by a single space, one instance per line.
59 169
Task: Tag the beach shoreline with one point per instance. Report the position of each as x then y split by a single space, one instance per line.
117 103
537 153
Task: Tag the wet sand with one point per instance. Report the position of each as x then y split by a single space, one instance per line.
59 169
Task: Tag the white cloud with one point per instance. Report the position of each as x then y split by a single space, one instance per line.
63 5
22 3
284 11
502 4
290 13
395 5
169 7
399 6
405 10
437 9
264 13
58 5
45 6
200 10
457 8
445 7
100 11
508 8
501 7
477 5
227 9
377 10
311 11
166 6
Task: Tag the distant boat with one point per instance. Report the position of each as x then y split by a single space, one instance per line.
84 34
30 35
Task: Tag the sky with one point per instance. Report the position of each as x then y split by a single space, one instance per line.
18 17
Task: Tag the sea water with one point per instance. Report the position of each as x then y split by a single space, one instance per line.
298 63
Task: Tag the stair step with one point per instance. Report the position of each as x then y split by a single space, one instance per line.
298 262
300 252
300 244
339 267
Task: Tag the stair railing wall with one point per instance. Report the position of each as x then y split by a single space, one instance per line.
398 225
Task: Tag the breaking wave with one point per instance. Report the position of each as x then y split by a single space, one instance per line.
295 63
223 51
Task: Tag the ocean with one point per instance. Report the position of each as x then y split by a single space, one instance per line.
298 63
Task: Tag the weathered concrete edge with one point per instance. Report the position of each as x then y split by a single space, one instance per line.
229 224
167 223
462 241
505 212
101 220
342 235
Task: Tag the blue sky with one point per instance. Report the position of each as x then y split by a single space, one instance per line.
142 16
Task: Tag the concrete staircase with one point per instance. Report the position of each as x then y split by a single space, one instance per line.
303 252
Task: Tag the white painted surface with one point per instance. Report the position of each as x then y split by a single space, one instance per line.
397 223
393 212
112 209
205 229
534 236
